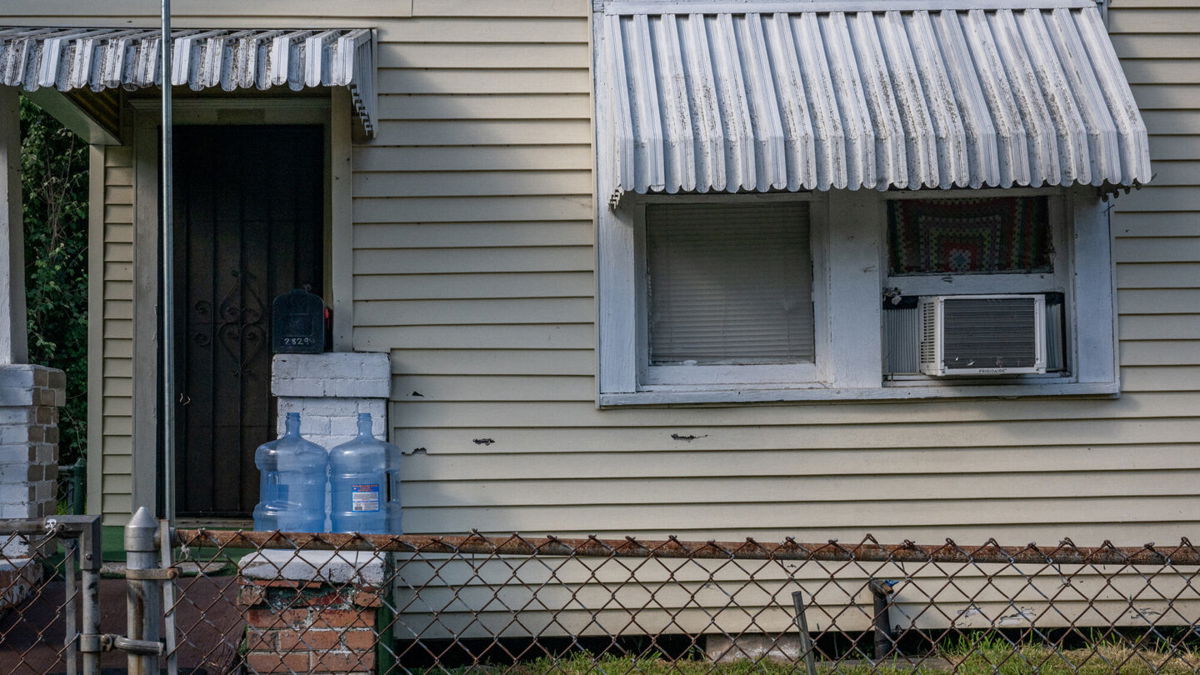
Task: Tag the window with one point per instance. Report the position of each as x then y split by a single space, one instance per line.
942 178
985 244
990 235
816 296
728 287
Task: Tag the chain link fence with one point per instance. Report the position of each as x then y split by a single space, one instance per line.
45 567
271 602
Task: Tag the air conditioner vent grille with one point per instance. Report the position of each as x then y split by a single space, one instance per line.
928 332
990 333
983 334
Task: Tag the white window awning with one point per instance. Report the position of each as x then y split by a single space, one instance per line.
67 59
756 96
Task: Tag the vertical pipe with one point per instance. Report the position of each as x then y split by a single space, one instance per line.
143 601
806 644
881 592
385 617
168 273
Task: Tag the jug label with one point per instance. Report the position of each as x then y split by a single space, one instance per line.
364 497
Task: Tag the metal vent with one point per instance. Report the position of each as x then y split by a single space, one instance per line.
989 333
928 332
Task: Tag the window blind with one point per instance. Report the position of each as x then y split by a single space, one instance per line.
729 284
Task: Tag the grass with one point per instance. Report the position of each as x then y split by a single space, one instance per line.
991 653
986 654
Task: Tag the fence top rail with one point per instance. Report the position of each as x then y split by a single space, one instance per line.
868 549
68 525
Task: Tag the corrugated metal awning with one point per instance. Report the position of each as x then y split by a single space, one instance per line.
758 96
106 58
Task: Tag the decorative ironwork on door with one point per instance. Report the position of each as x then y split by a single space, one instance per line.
249 226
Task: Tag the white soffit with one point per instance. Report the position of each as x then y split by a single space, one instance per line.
756 96
105 58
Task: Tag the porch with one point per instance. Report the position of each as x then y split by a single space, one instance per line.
241 95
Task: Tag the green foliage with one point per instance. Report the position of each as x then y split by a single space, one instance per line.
54 170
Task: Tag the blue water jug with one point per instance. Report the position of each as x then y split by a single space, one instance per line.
364 484
292 474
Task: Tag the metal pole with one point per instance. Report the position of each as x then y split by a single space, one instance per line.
71 634
168 592
168 273
806 643
143 601
89 566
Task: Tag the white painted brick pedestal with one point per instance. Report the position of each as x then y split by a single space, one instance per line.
330 390
29 400
30 397
314 611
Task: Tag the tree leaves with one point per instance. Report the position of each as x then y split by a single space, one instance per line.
54 175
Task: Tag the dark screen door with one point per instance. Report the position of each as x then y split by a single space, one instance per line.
249 225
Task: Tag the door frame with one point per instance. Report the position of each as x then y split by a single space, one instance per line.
333 114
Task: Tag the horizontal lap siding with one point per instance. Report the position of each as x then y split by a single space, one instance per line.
1157 229
679 595
116 362
473 208
474 268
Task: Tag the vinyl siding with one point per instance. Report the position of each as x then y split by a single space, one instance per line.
115 397
477 274
1157 229
474 268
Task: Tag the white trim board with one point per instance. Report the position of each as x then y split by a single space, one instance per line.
822 395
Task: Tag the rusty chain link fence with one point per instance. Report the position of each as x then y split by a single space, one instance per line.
336 603
270 602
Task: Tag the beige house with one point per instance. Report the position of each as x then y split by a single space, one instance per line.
647 269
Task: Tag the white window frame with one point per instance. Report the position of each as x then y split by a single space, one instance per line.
704 377
852 246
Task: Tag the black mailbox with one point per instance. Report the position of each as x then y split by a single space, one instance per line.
298 323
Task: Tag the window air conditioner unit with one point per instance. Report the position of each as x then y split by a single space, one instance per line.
983 334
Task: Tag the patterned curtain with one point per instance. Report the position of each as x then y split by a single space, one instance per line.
969 236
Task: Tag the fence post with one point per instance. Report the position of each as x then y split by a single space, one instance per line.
144 603
71 634
807 648
90 554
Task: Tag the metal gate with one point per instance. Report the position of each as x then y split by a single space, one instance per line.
49 582
50 615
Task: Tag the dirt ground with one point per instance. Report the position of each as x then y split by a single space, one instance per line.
31 635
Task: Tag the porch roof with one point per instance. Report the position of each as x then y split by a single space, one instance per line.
758 95
69 59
